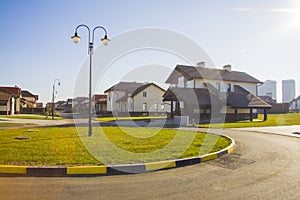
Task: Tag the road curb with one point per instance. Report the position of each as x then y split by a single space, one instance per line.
67 171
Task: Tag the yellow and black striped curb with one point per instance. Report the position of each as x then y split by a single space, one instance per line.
7 170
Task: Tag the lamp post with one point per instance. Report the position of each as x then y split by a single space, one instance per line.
53 91
105 41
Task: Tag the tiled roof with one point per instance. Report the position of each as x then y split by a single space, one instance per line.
128 87
14 91
245 100
100 97
191 72
192 96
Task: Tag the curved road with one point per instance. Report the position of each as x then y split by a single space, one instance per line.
262 166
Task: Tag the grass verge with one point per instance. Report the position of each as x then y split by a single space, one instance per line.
9 124
110 119
273 120
31 116
63 146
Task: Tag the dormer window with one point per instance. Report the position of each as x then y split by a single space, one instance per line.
219 86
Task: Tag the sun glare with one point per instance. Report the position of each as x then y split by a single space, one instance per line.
295 16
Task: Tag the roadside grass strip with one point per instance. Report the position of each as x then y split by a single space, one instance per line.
273 120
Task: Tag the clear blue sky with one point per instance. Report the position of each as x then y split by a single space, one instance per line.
261 38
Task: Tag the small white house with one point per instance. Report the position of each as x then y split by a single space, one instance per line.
136 99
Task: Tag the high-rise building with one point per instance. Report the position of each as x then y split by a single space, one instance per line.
268 88
288 90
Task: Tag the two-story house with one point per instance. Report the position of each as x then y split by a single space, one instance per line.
28 99
133 98
206 94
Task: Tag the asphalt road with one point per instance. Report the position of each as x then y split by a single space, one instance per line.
262 166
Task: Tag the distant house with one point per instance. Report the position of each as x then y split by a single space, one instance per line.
100 103
295 104
80 105
198 92
28 100
10 100
136 99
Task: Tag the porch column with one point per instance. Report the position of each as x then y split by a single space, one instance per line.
251 114
265 114
178 108
236 114
172 114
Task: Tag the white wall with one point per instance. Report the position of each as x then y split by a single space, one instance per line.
153 100
112 97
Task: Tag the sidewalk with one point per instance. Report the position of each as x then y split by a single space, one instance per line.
293 131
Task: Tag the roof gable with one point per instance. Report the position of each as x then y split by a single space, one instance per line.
13 91
128 87
143 87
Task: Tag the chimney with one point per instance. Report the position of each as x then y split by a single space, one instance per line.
201 64
227 67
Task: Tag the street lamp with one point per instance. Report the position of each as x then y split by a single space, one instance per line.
105 41
53 91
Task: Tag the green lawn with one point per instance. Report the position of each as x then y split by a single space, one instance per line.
107 119
9 124
30 116
273 120
62 146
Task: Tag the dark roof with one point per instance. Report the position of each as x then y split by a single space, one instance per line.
100 97
206 97
128 87
238 88
26 93
192 96
245 100
268 99
191 72
14 91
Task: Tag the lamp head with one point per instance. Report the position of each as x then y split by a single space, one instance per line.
105 40
75 38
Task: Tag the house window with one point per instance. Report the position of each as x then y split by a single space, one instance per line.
144 106
219 86
144 94
228 87
162 106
